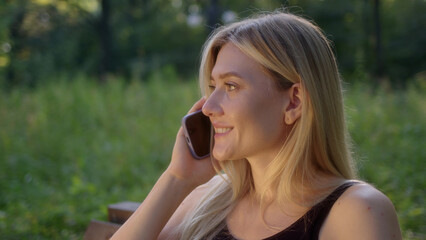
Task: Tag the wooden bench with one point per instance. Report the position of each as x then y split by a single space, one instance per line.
117 214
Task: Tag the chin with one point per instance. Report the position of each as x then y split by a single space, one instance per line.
221 156
224 156
218 157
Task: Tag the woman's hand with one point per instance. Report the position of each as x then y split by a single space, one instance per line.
181 177
185 167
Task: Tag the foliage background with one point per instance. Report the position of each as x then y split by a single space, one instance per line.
133 38
92 93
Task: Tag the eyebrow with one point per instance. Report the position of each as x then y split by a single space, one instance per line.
226 75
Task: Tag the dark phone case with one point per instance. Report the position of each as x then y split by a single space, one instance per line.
197 130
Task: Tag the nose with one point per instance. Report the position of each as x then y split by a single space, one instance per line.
212 107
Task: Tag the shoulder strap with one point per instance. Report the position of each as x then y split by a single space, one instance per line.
308 226
318 213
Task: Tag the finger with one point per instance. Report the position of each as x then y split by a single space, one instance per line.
198 105
180 132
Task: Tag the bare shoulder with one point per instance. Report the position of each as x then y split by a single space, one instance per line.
188 205
362 212
194 197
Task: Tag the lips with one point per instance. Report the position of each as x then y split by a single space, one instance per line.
222 130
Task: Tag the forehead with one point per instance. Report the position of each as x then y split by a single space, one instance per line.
231 59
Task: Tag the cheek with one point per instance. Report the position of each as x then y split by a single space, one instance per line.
265 121
266 128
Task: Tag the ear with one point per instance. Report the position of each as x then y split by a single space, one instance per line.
293 110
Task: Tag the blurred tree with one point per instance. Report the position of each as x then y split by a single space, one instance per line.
40 39
384 39
404 39
14 37
45 39
154 34
213 14
106 63
378 39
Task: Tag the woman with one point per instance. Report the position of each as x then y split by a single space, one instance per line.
281 151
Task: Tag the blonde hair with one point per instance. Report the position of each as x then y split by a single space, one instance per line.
292 50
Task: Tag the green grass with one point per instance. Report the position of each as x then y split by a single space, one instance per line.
389 129
68 149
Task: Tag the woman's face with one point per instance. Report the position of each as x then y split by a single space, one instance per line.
245 108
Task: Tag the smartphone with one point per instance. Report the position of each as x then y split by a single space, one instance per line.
197 129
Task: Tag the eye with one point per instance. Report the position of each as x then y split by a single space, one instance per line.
212 87
230 86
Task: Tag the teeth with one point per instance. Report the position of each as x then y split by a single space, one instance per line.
222 130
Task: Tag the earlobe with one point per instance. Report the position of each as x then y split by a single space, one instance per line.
293 110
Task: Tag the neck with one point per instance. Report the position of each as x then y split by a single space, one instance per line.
288 207
258 170
259 166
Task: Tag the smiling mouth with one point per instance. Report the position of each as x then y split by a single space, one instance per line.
222 130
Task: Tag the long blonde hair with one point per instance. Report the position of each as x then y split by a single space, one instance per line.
292 50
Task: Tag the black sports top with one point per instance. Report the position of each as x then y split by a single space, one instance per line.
308 226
